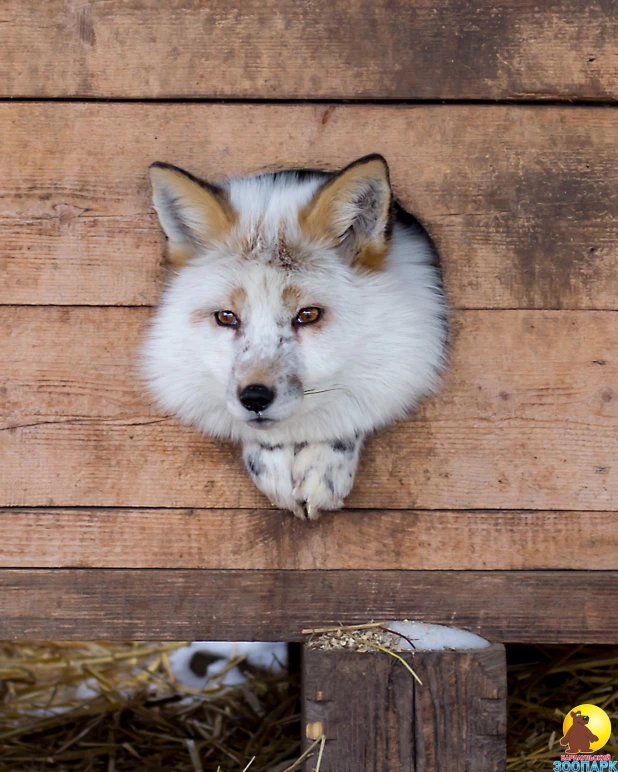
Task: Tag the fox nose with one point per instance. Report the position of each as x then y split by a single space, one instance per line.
256 397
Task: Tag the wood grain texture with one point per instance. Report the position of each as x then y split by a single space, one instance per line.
522 201
526 420
463 705
262 539
108 604
288 49
377 718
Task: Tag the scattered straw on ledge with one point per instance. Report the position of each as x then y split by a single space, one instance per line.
365 638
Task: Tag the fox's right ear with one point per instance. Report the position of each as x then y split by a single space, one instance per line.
193 213
352 212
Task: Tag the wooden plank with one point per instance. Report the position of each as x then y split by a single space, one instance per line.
262 539
526 420
107 604
377 718
288 49
521 201
462 700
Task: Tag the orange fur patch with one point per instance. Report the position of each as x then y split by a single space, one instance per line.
320 220
199 316
238 298
372 257
257 374
179 255
207 209
291 298
235 302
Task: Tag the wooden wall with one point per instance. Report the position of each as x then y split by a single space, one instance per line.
495 506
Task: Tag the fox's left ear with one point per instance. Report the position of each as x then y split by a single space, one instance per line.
352 211
193 213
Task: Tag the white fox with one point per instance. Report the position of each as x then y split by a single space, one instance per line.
305 310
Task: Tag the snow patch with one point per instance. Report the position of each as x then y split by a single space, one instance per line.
427 637
267 656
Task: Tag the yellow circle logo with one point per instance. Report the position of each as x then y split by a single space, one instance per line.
586 729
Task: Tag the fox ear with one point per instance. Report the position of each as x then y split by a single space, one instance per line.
352 211
193 213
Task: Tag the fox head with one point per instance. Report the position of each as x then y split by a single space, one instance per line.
281 311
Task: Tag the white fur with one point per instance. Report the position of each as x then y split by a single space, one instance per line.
322 478
379 349
275 480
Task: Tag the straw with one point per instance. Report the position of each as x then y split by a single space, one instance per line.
545 683
135 715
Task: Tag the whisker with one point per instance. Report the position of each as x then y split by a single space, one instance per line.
309 392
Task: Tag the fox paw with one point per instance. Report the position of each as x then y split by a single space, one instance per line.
323 475
270 468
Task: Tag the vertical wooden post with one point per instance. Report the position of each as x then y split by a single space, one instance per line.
377 718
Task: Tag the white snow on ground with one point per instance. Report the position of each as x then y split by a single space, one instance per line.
87 689
436 637
269 656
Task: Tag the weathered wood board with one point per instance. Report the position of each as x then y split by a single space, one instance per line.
353 540
495 507
526 419
522 202
526 606
291 49
377 718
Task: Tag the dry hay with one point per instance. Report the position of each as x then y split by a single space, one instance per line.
141 717
545 682
137 715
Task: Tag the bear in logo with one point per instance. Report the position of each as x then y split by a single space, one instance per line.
579 737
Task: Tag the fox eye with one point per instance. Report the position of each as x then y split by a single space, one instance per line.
226 319
308 315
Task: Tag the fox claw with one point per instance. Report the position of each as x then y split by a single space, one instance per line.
322 477
305 478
